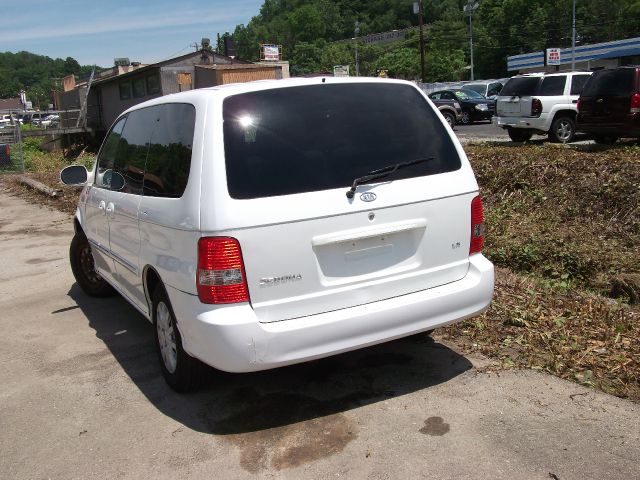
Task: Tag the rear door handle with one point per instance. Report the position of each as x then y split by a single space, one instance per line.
102 206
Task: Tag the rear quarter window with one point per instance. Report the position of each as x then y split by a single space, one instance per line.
577 83
520 86
310 138
610 82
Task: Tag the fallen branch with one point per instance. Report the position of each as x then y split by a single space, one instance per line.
41 187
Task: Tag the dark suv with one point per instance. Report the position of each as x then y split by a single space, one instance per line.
609 106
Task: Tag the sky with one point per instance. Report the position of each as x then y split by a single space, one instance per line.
95 32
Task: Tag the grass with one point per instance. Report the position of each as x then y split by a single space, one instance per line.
562 225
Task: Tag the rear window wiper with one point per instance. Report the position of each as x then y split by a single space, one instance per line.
383 172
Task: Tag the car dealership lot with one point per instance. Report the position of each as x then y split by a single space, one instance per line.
83 397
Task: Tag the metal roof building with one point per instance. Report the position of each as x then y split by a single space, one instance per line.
587 57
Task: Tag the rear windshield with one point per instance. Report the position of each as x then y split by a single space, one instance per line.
520 86
610 82
303 139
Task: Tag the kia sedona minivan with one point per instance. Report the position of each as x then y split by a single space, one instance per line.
264 224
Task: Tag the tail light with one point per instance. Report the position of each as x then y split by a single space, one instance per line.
477 226
536 107
635 103
221 277
578 105
8 150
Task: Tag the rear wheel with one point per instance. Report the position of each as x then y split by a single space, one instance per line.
451 120
563 129
604 139
519 134
182 372
83 268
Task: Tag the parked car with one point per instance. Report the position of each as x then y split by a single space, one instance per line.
609 106
8 120
489 89
254 233
475 107
543 104
50 121
450 110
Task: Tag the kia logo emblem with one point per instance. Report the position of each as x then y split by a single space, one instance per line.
368 197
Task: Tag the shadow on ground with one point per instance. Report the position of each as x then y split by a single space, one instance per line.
232 404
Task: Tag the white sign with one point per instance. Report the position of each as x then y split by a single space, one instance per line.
271 52
553 56
341 71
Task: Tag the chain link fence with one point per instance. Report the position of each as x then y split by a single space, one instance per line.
11 149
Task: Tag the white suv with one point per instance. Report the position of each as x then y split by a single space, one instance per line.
269 223
541 104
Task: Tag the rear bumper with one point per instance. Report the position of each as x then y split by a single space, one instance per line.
541 123
618 130
230 338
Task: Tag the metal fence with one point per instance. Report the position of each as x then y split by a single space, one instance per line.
11 151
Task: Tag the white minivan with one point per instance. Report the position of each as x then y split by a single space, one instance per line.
264 224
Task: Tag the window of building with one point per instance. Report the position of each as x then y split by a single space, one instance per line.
125 90
169 159
153 84
139 88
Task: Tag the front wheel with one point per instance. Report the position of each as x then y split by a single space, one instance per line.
83 268
182 372
563 129
451 120
519 134
467 118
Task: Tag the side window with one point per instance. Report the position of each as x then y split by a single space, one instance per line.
134 146
494 89
107 156
577 83
435 96
169 159
553 86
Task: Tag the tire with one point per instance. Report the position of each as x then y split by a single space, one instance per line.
451 120
83 268
467 118
604 139
181 371
563 129
519 134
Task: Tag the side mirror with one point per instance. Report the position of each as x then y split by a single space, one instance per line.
113 180
74 175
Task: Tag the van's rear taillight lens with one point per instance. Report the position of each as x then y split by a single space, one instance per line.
635 103
221 277
477 226
536 107
578 105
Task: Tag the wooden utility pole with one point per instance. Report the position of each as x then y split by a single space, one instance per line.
420 13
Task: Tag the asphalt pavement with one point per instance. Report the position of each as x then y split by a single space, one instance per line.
82 397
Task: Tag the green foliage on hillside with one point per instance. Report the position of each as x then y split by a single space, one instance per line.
35 74
307 29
